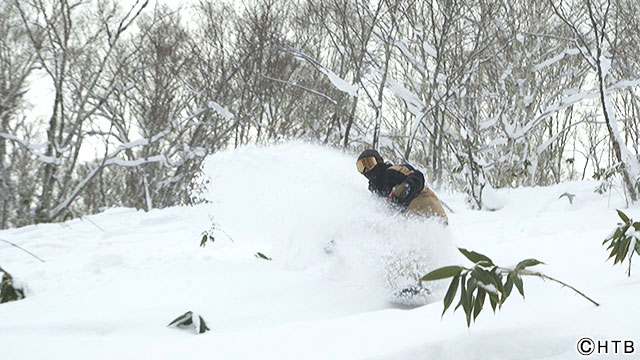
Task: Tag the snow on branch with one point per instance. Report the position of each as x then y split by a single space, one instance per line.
555 59
132 144
32 148
108 161
222 111
623 84
552 109
137 162
402 45
414 104
338 82
113 159
430 50
572 100
303 88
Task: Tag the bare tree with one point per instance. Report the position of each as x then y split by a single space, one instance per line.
591 22
17 62
74 53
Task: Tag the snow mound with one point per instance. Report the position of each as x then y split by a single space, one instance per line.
297 202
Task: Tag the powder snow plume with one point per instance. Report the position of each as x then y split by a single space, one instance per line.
298 201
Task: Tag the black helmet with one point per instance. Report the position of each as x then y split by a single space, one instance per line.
367 160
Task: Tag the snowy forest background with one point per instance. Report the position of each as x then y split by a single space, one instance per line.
481 94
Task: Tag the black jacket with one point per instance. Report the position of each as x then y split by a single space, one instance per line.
384 177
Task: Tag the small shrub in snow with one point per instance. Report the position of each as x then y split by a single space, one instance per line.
569 197
623 241
485 280
262 256
190 320
8 290
206 236
606 176
473 196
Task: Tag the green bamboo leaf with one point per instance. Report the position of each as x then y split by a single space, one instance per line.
183 319
443 273
203 242
467 302
620 231
615 249
472 285
451 293
463 290
8 292
623 250
616 234
517 280
508 286
475 257
202 328
260 255
623 231
527 263
497 280
189 320
479 303
624 217
482 275
494 301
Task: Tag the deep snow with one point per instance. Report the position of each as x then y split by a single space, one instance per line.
108 290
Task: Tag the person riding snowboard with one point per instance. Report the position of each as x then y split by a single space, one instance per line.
402 185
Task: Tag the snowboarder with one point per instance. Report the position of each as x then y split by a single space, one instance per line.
402 185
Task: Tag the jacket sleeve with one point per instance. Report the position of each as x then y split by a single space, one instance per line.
408 174
416 181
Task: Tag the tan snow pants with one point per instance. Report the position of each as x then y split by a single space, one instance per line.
427 204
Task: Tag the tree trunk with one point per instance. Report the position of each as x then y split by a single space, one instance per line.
614 135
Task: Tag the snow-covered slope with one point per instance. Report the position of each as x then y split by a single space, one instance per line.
112 282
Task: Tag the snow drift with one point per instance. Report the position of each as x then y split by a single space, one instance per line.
113 281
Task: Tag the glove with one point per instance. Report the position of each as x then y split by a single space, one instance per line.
400 192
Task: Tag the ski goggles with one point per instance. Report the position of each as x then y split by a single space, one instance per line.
366 164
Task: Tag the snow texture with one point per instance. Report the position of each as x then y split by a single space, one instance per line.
113 281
